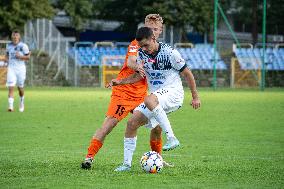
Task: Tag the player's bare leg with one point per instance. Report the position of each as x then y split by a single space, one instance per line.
160 115
21 94
11 99
97 140
138 119
107 126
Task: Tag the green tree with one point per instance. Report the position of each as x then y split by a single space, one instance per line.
197 13
15 13
80 12
275 15
129 12
251 15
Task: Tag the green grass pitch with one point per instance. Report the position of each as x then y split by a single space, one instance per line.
236 140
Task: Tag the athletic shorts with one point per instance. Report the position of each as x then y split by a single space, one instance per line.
120 107
170 99
16 76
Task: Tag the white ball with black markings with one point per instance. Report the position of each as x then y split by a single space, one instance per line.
151 162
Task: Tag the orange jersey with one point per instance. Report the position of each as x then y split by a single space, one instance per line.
135 91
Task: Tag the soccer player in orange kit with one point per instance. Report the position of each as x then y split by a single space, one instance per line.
125 98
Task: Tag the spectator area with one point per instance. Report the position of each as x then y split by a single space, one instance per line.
198 57
251 58
201 57
91 56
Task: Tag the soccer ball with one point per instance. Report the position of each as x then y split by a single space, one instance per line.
151 162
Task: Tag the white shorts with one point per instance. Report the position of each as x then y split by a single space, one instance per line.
16 75
170 99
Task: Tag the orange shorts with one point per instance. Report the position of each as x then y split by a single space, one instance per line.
120 107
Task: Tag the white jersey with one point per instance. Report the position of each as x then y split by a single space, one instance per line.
11 50
162 70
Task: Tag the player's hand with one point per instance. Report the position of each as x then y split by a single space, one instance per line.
195 103
108 85
141 70
18 56
114 82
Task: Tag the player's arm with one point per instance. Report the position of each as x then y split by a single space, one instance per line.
128 80
132 64
132 53
25 57
188 76
180 64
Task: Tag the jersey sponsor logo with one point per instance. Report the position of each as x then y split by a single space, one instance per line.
133 48
156 82
155 78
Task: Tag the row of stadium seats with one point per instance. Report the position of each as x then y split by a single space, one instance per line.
251 58
199 57
92 56
202 58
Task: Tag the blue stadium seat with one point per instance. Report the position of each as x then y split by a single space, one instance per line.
199 57
252 58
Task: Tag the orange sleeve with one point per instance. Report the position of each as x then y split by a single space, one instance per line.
133 48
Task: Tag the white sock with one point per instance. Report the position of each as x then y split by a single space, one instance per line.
163 120
11 102
22 98
129 148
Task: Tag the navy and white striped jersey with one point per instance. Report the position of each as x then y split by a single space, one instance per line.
162 70
11 50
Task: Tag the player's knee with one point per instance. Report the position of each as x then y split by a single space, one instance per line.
151 101
148 100
131 125
158 130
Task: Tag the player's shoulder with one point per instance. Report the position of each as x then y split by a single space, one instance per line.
133 43
169 50
10 44
165 46
22 44
133 46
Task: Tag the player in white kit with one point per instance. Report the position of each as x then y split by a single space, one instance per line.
17 53
163 66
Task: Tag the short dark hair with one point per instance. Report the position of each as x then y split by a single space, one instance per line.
16 31
144 33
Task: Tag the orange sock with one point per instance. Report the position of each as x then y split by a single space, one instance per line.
94 147
156 145
159 144
153 145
